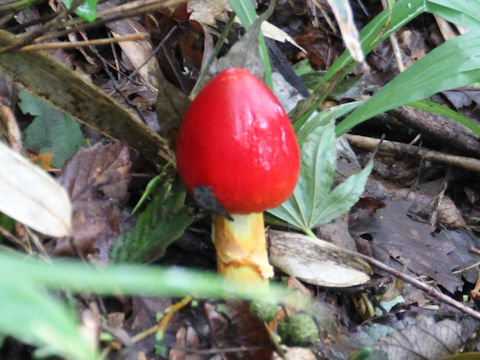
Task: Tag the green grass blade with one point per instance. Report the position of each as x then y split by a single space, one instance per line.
129 279
371 35
453 64
442 110
464 13
374 32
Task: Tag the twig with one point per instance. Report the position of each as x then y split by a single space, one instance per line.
17 6
109 15
64 45
393 147
429 290
212 329
29 37
162 325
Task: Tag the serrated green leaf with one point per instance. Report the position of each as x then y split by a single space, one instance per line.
163 221
318 154
51 131
86 10
343 197
312 203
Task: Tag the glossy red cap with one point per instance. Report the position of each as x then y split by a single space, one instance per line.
237 139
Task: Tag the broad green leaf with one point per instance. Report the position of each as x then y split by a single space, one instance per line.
30 314
163 221
51 131
86 10
442 110
343 197
453 64
464 13
247 15
312 203
319 156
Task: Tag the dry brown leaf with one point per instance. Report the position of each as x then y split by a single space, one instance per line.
208 11
138 52
96 179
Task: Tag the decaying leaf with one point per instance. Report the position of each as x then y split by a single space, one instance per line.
426 339
208 11
244 53
96 179
394 234
316 261
138 52
29 195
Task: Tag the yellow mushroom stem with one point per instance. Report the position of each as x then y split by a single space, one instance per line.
242 249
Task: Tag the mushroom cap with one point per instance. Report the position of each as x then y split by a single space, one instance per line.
237 139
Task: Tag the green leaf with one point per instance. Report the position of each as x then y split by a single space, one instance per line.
129 279
6 223
464 13
312 203
247 15
86 10
453 64
324 117
30 314
51 131
163 221
442 110
343 197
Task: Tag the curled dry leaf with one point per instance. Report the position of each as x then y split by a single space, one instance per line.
29 195
316 261
96 179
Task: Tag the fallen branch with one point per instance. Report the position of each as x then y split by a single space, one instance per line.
397 148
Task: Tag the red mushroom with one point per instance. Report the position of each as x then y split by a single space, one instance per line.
237 139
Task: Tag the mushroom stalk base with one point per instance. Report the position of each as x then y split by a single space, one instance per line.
242 248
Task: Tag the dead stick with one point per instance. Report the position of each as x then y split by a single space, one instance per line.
393 147
64 45
429 290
